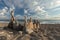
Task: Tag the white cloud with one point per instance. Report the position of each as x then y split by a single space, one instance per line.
1 13
12 8
19 17
4 17
58 15
4 13
39 9
47 16
57 3
54 3
55 17
40 13
56 9
35 3
16 3
40 16
25 11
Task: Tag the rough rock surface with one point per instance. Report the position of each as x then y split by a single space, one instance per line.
46 32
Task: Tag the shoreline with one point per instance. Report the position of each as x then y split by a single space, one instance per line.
6 24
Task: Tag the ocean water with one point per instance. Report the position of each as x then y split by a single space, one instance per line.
50 22
41 21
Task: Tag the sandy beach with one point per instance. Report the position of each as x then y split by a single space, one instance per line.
3 24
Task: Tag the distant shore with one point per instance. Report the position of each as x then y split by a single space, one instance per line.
4 24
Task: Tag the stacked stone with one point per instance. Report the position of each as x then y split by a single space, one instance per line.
30 26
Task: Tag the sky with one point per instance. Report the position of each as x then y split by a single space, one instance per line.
37 9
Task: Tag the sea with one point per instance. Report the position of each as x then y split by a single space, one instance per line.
41 21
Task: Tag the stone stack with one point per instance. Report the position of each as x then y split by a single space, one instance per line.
29 27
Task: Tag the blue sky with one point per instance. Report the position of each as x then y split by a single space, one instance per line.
37 9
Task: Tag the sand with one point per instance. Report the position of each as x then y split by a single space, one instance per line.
3 24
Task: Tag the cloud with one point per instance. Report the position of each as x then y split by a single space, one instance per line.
12 8
34 6
43 8
4 17
41 13
16 3
56 9
55 17
54 3
58 15
4 13
35 3
25 11
57 3
19 3
37 9
19 17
